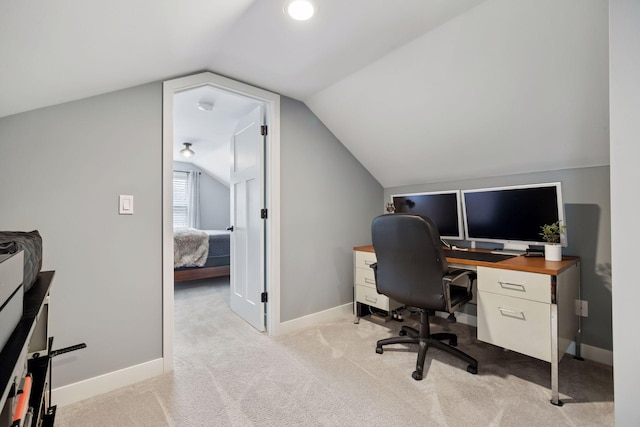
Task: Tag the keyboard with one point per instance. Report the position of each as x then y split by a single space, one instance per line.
476 256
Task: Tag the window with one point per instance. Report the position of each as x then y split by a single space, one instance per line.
180 199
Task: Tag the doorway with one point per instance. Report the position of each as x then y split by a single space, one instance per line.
269 269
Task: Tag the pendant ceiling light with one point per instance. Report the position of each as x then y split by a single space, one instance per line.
187 151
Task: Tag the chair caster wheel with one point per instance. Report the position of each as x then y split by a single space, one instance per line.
402 333
472 369
379 350
417 375
453 342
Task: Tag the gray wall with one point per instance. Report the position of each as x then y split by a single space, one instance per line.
62 169
587 208
215 208
328 200
625 234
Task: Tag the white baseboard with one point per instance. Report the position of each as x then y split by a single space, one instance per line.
315 318
81 390
595 354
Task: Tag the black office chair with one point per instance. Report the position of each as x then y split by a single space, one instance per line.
411 268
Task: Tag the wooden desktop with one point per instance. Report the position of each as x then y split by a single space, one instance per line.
525 304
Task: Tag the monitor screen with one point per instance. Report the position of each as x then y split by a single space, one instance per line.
443 207
512 215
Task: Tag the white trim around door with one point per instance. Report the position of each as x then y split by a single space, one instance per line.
272 185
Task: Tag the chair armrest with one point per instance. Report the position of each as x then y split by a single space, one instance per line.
455 277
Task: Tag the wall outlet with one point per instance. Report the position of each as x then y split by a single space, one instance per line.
582 308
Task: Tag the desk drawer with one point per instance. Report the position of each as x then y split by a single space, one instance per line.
514 323
364 259
370 297
365 277
519 284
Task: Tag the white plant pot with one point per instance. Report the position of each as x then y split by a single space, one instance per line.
553 252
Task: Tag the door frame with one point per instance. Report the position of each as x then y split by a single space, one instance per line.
272 198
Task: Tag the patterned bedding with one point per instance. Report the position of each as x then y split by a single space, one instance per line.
219 243
217 254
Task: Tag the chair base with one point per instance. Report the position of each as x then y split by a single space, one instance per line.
424 339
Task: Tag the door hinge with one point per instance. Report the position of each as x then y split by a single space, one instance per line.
263 130
263 214
263 297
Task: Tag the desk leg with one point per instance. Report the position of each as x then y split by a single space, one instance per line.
578 338
555 395
356 317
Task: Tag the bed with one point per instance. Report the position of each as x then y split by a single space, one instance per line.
200 254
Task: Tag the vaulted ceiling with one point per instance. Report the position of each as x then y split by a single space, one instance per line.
418 90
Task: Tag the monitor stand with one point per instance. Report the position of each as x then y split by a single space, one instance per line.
512 249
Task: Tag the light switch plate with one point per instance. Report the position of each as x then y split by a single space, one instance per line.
126 204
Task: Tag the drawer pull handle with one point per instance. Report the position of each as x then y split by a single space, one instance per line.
369 281
367 262
512 286
512 313
368 298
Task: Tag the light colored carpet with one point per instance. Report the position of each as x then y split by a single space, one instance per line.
228 374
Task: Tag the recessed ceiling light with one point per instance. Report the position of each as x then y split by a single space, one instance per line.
300 10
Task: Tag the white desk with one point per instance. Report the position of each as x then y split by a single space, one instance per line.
524 304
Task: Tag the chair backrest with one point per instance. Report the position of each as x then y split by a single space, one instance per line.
410 260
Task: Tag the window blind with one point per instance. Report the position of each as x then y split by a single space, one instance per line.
180 199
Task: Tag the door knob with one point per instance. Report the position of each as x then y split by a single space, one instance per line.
230 228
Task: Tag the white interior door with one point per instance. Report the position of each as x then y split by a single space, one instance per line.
247 238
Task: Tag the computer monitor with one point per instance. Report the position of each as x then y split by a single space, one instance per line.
442 206
512 215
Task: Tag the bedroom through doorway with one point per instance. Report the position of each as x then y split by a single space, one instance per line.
220 187
208 203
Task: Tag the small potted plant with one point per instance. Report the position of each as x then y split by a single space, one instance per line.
551 234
